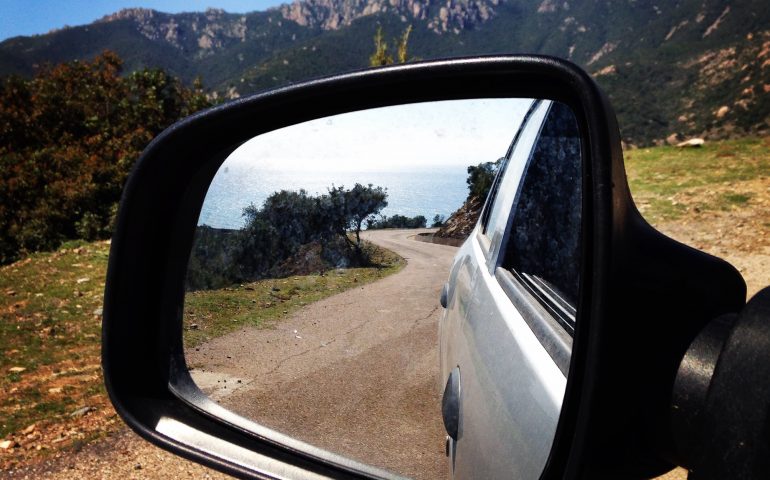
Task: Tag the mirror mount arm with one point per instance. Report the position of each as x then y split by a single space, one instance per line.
720 407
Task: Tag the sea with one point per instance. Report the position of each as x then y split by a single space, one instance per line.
437 190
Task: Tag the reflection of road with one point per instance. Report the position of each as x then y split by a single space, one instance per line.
355 373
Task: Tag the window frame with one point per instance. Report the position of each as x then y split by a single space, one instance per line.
485 241
553 309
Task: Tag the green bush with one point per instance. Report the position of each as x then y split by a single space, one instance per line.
292 231
397 221
480 178
68 138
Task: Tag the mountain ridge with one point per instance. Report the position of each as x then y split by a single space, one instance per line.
689 67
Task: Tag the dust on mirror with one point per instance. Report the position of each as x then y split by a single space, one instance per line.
312 291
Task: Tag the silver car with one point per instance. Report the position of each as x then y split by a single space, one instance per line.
506 333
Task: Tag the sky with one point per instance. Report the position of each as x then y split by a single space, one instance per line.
30 17
456 132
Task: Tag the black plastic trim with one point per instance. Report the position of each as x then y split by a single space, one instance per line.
551 299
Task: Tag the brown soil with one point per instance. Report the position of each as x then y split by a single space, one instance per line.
739 234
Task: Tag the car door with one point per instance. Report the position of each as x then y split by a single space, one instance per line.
506 337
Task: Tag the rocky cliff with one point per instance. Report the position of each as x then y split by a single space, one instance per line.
209 31
440 16
460 224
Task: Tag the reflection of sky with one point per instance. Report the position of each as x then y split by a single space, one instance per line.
418 152
458 132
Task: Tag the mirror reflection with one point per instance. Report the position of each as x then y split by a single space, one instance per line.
325 251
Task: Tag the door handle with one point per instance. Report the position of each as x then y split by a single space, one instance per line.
450 404
444 300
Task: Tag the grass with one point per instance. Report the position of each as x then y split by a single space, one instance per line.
668 182
50 327
735 198
213 313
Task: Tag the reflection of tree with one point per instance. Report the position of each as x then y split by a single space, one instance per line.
397 221
480 178
346 210
291 232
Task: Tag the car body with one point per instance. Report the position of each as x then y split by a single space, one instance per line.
506 332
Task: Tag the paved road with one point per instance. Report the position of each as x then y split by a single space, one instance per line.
355 373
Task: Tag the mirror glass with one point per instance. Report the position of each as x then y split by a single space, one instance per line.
318 272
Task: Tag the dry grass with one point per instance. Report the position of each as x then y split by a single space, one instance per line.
52 394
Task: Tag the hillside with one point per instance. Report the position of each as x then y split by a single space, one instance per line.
684 68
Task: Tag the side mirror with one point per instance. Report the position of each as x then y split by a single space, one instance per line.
642 298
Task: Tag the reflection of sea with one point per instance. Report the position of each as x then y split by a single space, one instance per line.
414 192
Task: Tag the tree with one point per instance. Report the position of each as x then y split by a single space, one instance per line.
381 57
68 138
438 221
277 236
480 178
397 221
402 45
347 210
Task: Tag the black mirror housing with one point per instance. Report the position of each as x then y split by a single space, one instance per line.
643 299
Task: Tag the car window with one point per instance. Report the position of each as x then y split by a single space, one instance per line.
511 175
543 245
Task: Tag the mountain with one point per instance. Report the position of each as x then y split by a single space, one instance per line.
672 70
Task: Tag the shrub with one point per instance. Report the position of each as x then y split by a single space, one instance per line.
480 178
292 232
68 138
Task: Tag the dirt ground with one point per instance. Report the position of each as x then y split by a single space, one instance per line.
740 235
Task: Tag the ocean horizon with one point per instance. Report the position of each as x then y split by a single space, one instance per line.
411 191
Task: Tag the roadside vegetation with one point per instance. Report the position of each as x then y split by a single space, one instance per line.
68 138
460 224
399 221
51 388
212 313
669 183
291 233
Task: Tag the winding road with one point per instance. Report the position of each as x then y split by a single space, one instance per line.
355 374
